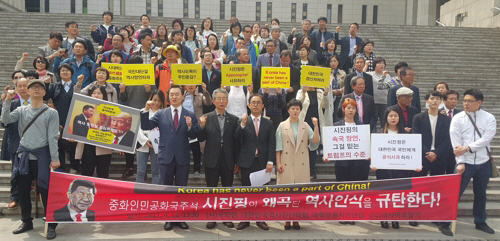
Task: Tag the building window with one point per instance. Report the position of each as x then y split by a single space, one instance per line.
294 12
257 11
329 13
304 11
269 11
160 8
84 7
222 9
47 6
148 7
233 8
197 9
122 7
73 6
363 14
339 13
186 9
375 14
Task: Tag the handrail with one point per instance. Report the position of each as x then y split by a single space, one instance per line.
440 23
495 8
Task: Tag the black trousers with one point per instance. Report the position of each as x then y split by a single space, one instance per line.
450 165
195 148
129 160
220 170
173 170
14 188
91 162
70 147
356 170
433 167
24 184
276 121
245 172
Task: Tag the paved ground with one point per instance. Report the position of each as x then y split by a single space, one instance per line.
197 231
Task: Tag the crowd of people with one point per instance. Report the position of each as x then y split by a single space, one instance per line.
235 128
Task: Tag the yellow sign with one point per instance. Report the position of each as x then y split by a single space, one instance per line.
275 77
105 137
130 74
236 74
313 76
109 110
187 74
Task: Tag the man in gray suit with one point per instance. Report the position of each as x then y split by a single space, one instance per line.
270 58
49 51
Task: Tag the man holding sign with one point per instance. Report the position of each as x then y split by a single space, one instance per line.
163 73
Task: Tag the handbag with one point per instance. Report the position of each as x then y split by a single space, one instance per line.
494 169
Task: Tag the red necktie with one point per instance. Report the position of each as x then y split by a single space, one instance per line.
270 60
78 217
256 126
115 142
449 114
176 119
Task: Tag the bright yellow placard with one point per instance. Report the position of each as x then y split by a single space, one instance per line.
313 76
105 137
131 74
275 77
187 74
109 110
236 74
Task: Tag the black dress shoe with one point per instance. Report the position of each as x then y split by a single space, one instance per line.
395 225
296 227
228 224
211 225
51 233
344 223
242 225
288 227
183 225
128 173
262 225
414 224
445 229
384 224
352 223
485 228
23 228
168 226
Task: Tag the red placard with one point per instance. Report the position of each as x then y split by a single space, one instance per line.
408 199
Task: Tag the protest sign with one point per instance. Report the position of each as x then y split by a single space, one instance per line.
187 74
130 74
313 76
236 74
346 142
102 123
398 152
274 77
406 199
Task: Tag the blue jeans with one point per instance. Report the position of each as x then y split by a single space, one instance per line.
142 162
481 175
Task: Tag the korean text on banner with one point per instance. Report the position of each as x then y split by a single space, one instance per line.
187 74
397 152
346 142
131 74
313 76
275 77
236 74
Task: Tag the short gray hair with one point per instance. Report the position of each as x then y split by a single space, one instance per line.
219 91
303 21
355 79
275 28
238 51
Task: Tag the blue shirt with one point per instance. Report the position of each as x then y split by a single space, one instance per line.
352 42
188 102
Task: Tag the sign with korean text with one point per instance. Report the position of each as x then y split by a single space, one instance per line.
313 76
187 74
274 77
236 74
398 151
406 199
346 142
130 74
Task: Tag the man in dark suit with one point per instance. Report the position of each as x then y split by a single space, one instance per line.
291 93
177 125
349 45
367 114
218 128
450 100
270 58
321 35
306 31
435 130
81 122
275 35
359 63
81 196
244 58
210 76
258 146
120 127
407 79
404 108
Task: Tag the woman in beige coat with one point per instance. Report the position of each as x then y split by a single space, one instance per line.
294 139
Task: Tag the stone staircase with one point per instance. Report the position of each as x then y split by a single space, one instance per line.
436 53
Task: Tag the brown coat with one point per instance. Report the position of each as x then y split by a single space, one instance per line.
294 157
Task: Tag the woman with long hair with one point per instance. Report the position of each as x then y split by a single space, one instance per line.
337 78
192 42
207 29
161 36
228 41
213 44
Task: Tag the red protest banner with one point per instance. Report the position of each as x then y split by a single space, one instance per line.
74 198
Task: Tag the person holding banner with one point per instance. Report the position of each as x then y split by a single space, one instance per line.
294 139
269 58
365 103
313 102
274 102
101 75
163 72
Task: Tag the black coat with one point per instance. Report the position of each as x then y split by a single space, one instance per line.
393 100
369 113
11 137
442 142
412 111
61 99
282 46
80 126
62 215
312 62
211 133
345 44
128 139
368 83
265 143
455 111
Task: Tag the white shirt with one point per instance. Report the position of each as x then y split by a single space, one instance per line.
120 137
73 214
448 110
179 110
22 101
237 101
433 121
462 133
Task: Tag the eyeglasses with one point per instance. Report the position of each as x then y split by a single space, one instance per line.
255 102
248 31
469 101
40 62
37 87
18 77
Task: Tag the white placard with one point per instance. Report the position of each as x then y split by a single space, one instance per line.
154 137
396 151
346 142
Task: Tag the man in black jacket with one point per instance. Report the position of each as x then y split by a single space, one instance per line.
359 63
275 35
404 108
218 128
81 123
407 78
349 45
366 114
450 99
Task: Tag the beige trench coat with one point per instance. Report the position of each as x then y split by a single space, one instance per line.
294 157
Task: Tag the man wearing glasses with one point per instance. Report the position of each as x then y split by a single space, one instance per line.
407 78
253 51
